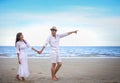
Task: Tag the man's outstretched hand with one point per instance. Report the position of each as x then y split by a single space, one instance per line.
76 31
72 32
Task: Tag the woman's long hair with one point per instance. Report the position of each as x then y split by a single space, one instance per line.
18 38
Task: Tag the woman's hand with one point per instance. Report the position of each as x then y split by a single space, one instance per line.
19 61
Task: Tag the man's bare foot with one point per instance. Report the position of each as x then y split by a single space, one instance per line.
17 77
54 79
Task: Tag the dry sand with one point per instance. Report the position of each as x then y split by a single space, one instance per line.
73 70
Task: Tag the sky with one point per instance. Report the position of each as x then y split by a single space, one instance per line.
98 21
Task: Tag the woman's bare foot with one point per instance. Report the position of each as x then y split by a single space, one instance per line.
54 79
17 77
23 79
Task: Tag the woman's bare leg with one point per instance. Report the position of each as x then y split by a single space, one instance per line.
23 79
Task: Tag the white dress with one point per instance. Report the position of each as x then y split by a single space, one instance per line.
23 70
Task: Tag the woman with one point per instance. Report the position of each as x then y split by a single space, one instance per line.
21 45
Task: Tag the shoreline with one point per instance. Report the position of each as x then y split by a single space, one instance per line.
61 57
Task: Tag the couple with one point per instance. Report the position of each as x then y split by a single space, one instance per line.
52 40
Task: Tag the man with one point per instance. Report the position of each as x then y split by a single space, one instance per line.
53 41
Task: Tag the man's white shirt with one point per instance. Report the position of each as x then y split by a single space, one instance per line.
54 41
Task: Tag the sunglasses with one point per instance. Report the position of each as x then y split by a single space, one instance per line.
53 30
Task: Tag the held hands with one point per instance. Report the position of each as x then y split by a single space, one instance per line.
39 52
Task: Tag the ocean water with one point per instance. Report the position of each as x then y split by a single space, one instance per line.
67 51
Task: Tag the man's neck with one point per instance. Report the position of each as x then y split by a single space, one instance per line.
54 35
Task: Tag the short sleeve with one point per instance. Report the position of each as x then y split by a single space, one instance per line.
63 35
17 47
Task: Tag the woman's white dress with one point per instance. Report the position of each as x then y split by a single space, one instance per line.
23 70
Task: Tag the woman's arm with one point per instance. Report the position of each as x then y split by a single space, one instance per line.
28 45
34 49
18 58
18 52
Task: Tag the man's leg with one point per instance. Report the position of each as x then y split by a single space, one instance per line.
59 64
53 68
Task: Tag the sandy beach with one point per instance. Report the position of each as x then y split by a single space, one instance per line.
73 70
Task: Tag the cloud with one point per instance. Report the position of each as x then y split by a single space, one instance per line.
77 15
95 27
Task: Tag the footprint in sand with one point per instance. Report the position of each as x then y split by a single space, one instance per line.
40 73
13 69
41 78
